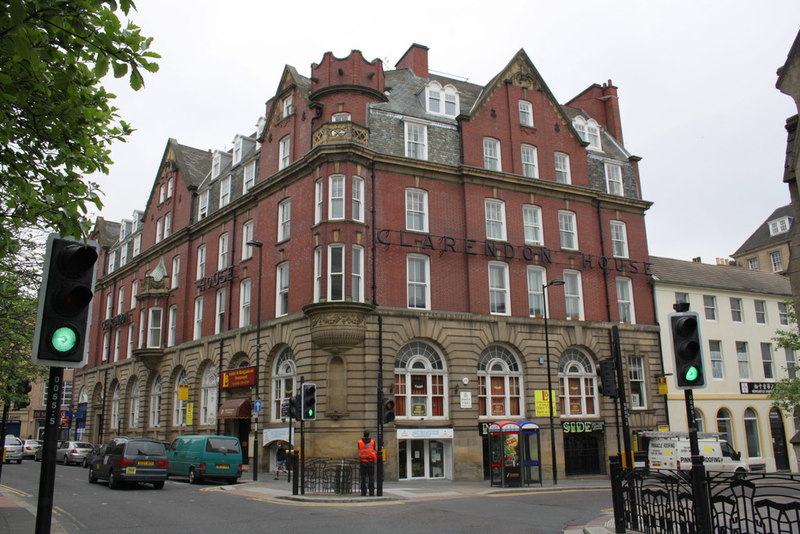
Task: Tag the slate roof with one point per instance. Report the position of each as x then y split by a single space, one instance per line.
761 237
689 273
193 162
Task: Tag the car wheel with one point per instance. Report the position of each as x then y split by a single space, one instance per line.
92 478
113 480
193 476
233 480
159 484
19 461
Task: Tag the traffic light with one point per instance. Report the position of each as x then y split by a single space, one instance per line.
308 401
67 289
294 405
388 409
608 378
689 371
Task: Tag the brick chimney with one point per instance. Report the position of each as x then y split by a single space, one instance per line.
611 104
415 59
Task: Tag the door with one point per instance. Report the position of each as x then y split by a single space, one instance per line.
418 458
581 454
779 448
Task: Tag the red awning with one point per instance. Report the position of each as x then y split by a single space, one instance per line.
235 409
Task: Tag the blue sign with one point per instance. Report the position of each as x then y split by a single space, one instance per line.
258 405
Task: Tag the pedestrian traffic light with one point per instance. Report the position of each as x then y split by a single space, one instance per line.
308 401
608 378
689 371
64 297
294 405
388 409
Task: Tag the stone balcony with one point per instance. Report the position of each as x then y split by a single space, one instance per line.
332 133
338 326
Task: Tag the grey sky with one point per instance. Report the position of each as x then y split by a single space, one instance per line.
696 83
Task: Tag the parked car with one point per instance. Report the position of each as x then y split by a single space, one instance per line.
30 446
73 452
98 451
12 449
130 460
206 457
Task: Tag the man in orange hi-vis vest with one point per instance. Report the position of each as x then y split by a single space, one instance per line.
367 455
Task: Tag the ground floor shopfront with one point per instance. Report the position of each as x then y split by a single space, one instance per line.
450 376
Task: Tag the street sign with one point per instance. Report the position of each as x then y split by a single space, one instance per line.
257 406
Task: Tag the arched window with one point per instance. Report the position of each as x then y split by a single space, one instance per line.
115 402
441 100
179 413
499 383
133 408
419 381
283 376
208 396
701 423
155 403
589 131
751 433
724 426
578 385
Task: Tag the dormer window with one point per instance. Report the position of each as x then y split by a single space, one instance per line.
202 205
216 164
589 131
441 100
123 229
288 106
224 191
237 150
780 226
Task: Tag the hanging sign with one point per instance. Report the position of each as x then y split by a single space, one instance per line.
237 378
541 397
183 392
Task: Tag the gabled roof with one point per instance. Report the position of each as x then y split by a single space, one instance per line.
703 275
194 163
761 237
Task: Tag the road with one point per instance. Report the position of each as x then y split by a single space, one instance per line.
181 507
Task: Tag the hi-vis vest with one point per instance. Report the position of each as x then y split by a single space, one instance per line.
366 451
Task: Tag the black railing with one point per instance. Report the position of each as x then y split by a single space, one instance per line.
332 475
662 502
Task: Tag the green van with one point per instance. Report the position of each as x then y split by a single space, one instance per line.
206 457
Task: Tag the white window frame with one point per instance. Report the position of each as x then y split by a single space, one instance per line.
563 173
532 224
499 288
418 275
495 216
222 252
625 307
155 322
638 384
737 313
216 164
197 329
341 116
568 229
573 295
285 152
336 272
780 226
202 204
282 289
525 113
173 325
167 225
221 306
743 360
155 403
614 179
137 245
336 187
416 140
710 307
317 273
537 277
416 210
179 406
717 361
249 177
530 161
776 260
175 275
619 239
319 200
121 300
357 274
767 361
492 159
357 202
237 150
287 106
134 293
760 307
247 235
159 238
245 302
442 100
783 314
284 219
117 344
225 191
200 269
208 396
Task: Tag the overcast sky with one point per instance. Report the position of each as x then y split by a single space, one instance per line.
696 84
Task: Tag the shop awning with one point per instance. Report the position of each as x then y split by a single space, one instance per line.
235 409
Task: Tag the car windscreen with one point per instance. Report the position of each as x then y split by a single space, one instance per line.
83 445
146 448
226 445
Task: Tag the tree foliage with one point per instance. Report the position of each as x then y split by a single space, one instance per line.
20 278
56 119
786 394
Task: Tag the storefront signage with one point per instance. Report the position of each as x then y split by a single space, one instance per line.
466 399
507 251
189 413
424 433
582 427
216 279
117 320
237 378
183 392
276 434
541 397
39 414
755 388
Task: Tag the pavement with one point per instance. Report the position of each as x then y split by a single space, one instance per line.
17 516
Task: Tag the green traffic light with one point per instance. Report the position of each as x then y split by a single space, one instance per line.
692 374
64 339
309 413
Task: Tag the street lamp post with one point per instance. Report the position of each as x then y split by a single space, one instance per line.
260 247
553 282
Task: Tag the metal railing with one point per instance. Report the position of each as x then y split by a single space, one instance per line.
662 502
332 475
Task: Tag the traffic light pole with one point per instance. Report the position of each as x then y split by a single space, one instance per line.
702 506
47 475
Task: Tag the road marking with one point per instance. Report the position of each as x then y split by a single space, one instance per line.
286 502
61 511
15 491
540 492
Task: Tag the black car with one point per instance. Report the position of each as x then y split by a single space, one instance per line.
130 460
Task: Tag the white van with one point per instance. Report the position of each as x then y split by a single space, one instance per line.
671 450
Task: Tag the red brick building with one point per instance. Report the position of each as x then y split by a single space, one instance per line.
408 223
